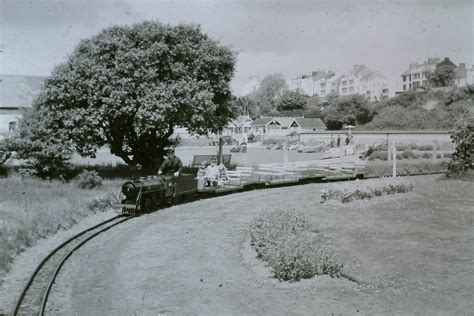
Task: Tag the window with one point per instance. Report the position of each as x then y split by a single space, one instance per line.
333 84
323 85
12 126
323 92
344 90
351 82
351 89
404 79
344 83
404 87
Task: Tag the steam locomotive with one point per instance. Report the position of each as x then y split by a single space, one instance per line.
146 194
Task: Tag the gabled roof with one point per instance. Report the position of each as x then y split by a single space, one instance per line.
261 121
19 91
241 120
310 123
284 120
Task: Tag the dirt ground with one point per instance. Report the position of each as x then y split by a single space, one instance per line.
413 253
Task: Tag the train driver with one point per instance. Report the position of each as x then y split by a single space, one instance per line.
172 165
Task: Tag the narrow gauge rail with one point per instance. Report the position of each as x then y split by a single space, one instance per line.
34 296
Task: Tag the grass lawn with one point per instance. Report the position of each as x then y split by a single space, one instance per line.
414 252
31 209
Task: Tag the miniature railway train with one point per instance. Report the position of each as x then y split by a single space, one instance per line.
147 194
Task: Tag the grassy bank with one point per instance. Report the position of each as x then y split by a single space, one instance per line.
32 209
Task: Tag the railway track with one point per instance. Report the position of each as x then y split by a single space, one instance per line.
34 296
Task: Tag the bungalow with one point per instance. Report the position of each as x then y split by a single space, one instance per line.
239 125
286 125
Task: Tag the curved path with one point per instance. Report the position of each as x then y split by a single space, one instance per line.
193 259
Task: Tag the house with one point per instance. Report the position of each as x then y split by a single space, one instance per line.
417 74
16 96
285 125
364 81
317 83
239 125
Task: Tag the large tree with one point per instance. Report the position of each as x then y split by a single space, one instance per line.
271 89
129 86
353 109
292 100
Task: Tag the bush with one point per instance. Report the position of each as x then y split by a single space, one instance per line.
426 155
425 147
286 241
89 180
463 138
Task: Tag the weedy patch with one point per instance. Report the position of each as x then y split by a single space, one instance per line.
289 244
364 190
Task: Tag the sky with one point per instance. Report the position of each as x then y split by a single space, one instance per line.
288 37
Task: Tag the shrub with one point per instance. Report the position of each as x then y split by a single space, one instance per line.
463 138
425 147
89 180
426 155
286 241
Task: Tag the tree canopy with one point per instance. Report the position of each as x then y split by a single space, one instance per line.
292 100
442 77
129 86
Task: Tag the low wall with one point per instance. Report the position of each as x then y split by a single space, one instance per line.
380 137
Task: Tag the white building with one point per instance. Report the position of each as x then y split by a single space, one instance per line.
16 96
417 74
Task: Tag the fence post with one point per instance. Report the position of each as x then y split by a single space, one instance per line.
394 159
285 150
435 150
389 152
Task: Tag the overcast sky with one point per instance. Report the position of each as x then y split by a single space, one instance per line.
290 37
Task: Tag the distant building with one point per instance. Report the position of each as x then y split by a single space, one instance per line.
285 125
16 96
361 80
417 74
239 125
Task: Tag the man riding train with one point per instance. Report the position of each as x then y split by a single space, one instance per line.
172 165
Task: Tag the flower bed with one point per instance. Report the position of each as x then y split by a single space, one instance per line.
287 242
362 191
